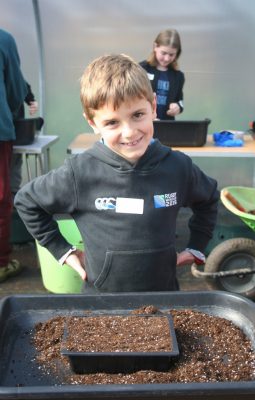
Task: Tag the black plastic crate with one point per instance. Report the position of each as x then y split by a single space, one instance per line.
181 133
20 377
122 361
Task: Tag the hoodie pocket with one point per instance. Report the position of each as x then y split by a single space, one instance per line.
138 270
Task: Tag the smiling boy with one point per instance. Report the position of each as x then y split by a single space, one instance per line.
124 193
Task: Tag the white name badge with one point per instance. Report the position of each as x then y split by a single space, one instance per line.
129 206
150 76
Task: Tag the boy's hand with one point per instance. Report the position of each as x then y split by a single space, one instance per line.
76 261
185 258
174 109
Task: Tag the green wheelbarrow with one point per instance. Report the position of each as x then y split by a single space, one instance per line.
231 265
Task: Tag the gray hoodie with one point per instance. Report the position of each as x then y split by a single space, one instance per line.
126 214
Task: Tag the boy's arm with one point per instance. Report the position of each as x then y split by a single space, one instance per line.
203 199
40 200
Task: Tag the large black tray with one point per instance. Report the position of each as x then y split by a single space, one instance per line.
20 377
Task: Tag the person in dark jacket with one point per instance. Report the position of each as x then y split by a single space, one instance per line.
166 79
124 193
13 90
17 160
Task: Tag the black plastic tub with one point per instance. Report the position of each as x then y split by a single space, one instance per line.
181 133
20 377
26 129
87 362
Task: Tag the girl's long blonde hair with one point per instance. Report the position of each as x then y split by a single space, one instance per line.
169 37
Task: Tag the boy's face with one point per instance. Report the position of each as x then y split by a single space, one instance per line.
127 130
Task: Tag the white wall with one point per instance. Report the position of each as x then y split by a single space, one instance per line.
218 53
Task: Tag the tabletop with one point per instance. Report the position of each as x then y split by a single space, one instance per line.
39 145
84 141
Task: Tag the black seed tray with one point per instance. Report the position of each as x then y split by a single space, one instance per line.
122 361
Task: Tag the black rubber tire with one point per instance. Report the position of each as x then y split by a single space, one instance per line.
228 255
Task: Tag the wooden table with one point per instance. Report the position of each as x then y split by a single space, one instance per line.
84 141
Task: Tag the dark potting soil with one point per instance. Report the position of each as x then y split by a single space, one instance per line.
212 349
129 333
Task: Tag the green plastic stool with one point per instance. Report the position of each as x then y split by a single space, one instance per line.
56 278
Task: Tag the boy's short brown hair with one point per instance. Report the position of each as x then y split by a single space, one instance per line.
113 79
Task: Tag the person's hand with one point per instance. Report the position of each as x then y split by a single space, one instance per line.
174 109
185 258
33 107
76 261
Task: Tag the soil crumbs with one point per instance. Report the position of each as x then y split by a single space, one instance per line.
212 349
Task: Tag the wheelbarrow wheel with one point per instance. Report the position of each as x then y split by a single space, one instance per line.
229 255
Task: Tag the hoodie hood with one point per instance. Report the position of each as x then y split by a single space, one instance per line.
154 154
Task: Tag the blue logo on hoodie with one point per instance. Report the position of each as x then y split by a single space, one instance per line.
165 200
